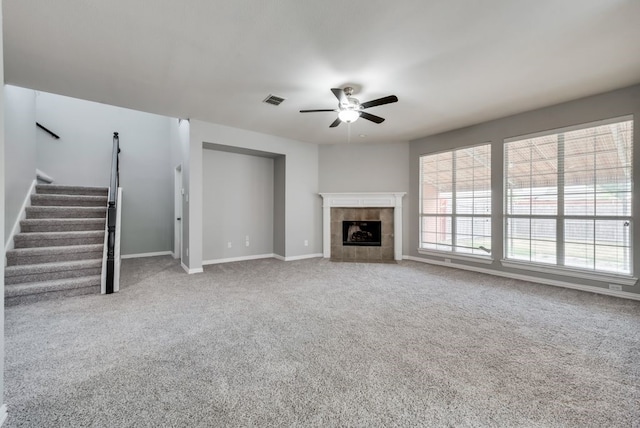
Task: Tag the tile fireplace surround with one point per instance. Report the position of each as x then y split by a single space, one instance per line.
386 207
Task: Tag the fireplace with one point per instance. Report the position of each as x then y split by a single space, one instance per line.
383 208
362 233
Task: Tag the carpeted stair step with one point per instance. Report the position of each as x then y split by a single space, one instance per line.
34 291
58 239
61 224
68 200
52 271
66 212
31 256
60 247
71 190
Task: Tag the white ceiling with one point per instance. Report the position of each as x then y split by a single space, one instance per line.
451 63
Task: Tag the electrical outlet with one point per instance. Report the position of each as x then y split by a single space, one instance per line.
615 287
229 244
306 243
246 243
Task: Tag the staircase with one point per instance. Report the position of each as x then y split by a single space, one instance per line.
59 249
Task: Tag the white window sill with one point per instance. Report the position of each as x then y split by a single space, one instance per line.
457 256
576 273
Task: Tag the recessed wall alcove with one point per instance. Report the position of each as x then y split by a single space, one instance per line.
384 207
243 204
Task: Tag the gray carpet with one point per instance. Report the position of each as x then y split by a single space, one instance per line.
315 343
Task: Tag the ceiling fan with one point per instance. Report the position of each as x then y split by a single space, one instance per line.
350 109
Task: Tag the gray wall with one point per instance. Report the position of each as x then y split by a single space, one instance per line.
279 205
367 168
609 105
364 167
303 208
82 156
19 151
2 219
237 203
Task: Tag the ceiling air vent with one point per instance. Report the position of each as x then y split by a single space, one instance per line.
273 99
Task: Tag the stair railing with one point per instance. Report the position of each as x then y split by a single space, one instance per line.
48 131
112 215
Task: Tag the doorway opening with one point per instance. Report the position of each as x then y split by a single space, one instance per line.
177 210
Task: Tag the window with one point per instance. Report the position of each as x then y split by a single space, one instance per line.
568 197
455 201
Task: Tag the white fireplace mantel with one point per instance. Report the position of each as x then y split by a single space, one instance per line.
362 200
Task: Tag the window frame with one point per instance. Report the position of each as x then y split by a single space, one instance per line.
561 217
454 215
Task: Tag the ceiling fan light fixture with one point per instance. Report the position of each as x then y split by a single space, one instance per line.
348 116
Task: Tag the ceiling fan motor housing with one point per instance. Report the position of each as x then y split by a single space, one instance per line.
351 104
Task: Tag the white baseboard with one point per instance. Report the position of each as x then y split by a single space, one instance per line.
563 284
3 414
22 214
261 256
238 259
304 256
139 255
191 271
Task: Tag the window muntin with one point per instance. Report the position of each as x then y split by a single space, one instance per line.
568 198
455 201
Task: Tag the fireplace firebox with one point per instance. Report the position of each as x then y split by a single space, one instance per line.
362 233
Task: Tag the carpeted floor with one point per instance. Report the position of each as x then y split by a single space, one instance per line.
314 343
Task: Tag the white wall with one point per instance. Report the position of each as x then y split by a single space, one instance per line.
237 203
19 151
82 156
303 207
365 167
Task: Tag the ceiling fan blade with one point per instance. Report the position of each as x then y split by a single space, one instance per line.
340 95
335 123
371 117
380 101
313 111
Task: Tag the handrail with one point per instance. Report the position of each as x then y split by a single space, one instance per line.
48 131
111 214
